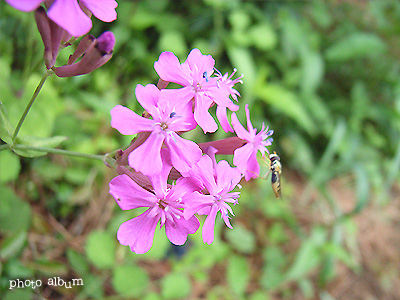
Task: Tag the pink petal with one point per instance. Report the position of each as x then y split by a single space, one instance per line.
209 224
227 176
253 167
245 158
195 202
24 5
240 131
68 15
184 186
129 195
147 158
249 125
223 119
127 122
178 97
184 120
159 180
138 233
203 171
183 152
178 231
103 10
148 97
169 69
198 64
202 116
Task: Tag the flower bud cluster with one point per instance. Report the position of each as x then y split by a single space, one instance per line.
60 22
173 177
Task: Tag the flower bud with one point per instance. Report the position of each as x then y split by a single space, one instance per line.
94 53
51 34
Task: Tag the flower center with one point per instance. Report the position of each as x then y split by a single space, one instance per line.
164 126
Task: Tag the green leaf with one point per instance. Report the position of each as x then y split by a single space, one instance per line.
11 246
275 261
362 188
39 142
77 262
241 239
9 166
357 45
175 286
286 102
6 129
15 214
130 280
308 256
238 274
100 249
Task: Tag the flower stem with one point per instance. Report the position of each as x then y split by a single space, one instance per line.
60 151
28 107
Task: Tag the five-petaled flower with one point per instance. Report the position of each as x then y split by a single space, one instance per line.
219 180
245 157
167 119
198 84
165 204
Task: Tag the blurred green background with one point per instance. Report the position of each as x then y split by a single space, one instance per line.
325 76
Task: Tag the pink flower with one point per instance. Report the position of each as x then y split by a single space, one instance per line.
164 204
245 157
195 77
70 15
167 120
219 181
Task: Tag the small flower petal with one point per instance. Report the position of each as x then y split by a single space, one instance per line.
128 122
138 233
103 10
169 69
25 5
209 224
129 195
147 157
68 15
178 231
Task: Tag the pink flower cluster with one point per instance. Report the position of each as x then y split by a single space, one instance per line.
173 177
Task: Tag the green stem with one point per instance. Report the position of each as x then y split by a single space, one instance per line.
28 107
60 151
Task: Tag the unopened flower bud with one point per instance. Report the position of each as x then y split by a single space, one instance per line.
51 35
94 53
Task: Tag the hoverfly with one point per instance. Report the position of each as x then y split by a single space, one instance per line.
275 167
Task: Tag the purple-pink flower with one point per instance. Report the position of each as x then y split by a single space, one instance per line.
245 157
71 15
195 77
219 180
165 204
167 119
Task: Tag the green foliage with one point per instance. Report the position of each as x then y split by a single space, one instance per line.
130 280
175 286
100 249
